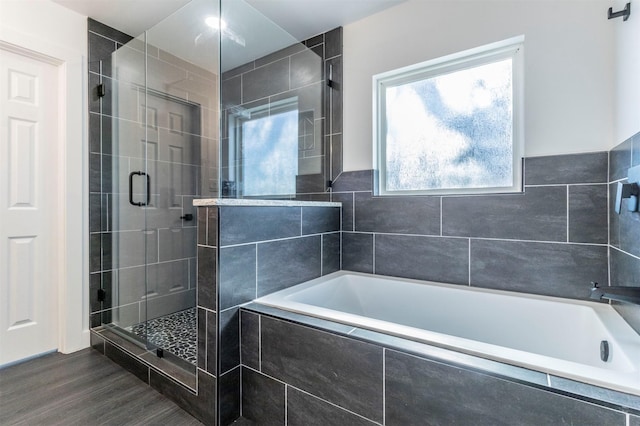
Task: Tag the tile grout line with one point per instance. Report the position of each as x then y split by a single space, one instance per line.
568 213
286 405
260 343
384 386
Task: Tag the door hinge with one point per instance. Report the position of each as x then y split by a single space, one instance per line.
102 90
102 295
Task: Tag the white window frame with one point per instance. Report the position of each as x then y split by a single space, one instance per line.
511 48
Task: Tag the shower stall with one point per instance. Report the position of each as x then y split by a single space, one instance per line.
214 101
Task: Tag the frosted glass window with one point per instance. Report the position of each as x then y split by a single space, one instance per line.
270 154
451 126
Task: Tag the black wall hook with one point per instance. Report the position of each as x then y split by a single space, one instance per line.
624 12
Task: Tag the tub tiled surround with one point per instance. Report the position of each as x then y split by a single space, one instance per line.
624 229
302 371
245 252
551 239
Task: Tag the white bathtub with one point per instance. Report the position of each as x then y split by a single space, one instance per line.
552 335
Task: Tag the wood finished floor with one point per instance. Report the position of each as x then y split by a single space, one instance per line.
83 388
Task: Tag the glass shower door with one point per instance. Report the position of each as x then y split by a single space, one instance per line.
164 154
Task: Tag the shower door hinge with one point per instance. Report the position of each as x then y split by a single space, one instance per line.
102 90
102 295
329 183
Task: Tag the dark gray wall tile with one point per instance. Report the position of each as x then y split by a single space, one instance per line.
357 252
107 134
426 258
404 215
333 42
428 393
634 420
588 214
262 399
250 339
314 41
229 343
620 160
333 69
306 68
95 174
347 208
95 283
202 339
97 215
240 225
126 361
361 180
100 49
537 214
97 342
177 243
212 343
106 243
336 155
207 261
238 70
280 54
316 220
112 33
565 169
95 252
614 218
629 225
306 184
229 402
345 372
563 270
330 326
265 81
201 213
625 269
330 253
237 275
201 406
212 227
305 410
285 263
95 102
231 92
95 137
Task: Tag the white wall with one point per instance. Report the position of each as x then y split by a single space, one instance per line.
45 27
627 68
569 65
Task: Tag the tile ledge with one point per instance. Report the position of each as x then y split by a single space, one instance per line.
261 203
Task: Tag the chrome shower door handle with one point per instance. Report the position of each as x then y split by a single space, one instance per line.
139 203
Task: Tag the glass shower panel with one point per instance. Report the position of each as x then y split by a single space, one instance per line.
273 117
181 158
128 177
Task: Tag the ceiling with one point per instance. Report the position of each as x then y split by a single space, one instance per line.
301 18
254 28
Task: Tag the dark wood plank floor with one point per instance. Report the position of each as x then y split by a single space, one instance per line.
83 388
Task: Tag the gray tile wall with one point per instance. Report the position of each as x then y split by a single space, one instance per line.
298 70
624 229
243 253
312 376
552 239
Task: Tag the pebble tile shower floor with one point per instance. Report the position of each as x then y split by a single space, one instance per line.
175 333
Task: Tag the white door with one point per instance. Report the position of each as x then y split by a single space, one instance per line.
29 192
